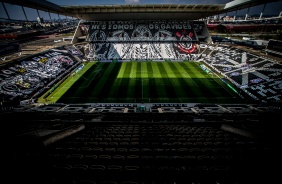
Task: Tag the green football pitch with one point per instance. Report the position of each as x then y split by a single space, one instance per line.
142 82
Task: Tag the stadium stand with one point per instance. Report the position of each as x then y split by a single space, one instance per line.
6 49
167 142
145 40
274 47
210 144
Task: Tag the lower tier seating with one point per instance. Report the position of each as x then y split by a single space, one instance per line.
139 153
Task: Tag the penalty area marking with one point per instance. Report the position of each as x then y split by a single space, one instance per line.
97 74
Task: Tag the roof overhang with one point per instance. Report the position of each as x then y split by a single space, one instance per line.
242 4
37 4
140 11
143 12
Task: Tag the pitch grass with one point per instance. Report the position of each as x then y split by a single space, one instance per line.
142 82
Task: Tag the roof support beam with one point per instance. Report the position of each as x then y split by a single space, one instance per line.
24 13
6 10
37 4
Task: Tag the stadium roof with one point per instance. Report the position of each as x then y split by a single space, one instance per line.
140 11
143 12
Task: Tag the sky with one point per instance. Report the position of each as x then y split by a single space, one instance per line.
16 12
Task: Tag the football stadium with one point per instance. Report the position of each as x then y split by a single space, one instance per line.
141 93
